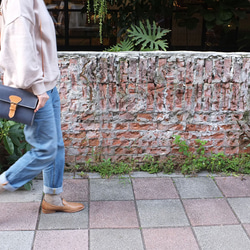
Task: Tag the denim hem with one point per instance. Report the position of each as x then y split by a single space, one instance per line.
7 186
48 190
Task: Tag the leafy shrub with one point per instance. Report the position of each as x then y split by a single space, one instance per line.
13 140
148 37
145 37
188 162
125 45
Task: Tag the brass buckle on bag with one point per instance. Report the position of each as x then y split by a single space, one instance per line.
14 100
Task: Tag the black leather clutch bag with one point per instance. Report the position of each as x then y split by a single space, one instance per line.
17 104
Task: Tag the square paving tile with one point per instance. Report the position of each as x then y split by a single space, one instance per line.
16 240
78 220
61 239
154 189
75 190
241 207
113 214
234 186
22 195
170 239
209 212
115 239
19 216
160 213
111 189
202 187
222 238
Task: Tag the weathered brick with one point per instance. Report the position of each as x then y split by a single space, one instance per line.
160 98
237 67
198 91
181 69
170 127
141 126
188 97
132 134
144 117
189 71
151 68
226 92
218 70
208 75
90 134
112 98
245 69
207 97
94 142
126 117
150 96
218 136
127 105
67 142
216 96
143 68
103 70
158 151
170 95
196 127
219 143
231 150
198 72
227 75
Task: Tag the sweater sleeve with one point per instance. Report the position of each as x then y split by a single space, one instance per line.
19 57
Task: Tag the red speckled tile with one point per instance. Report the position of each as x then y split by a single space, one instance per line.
61 239
234 186
19 216
113 214
169 239
209 212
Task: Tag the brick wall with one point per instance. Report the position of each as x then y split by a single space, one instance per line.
121 105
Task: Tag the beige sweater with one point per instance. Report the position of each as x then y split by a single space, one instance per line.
24 44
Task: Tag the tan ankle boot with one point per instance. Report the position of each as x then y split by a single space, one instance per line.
67 207
2 189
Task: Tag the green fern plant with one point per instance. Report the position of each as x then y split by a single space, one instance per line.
149 37
125 45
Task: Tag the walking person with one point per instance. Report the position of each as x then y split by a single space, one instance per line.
29 61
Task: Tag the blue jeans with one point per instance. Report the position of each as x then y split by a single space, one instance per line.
47 153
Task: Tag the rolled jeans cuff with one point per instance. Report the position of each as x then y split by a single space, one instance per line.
48 190
7 186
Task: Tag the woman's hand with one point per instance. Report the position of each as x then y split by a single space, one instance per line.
42 99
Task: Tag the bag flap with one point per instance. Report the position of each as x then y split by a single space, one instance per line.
29 100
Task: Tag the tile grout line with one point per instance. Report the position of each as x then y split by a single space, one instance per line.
37 223
190 225
137 214
143 239
226 199
237 217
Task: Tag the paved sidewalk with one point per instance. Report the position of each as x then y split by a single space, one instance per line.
152 212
